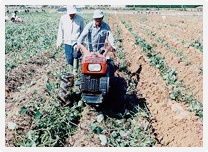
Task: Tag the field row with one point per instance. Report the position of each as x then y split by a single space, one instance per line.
144 66
188 73
152 87
180 30
36 113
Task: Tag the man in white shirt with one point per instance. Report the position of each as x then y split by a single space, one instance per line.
71 26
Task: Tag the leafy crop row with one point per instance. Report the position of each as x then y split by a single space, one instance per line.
196 44
52 125
177 91
128 128
37 37
125 132
161 40
180 54
30 39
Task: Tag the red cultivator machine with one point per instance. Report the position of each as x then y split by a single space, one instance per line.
97 79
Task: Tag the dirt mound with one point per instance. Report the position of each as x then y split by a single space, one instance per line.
167 123
189 74
17 77
172 122
84 137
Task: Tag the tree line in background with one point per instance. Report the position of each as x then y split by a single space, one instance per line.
165 6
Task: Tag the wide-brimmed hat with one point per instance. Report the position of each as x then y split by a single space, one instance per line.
98 14
71 9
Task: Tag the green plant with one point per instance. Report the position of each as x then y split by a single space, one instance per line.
160 39
197 44
201 73
52 124
168 74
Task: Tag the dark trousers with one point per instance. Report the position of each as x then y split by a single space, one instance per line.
69 53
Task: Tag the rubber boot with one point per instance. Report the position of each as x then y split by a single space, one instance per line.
70 68
75 66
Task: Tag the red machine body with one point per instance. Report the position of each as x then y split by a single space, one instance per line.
94 58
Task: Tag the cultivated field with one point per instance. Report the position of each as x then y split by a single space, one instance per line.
159 58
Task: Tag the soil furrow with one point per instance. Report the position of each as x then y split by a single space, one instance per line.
187 74
193 55
173 124
84 136
175 27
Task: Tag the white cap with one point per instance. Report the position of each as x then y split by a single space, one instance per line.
71 9
98 14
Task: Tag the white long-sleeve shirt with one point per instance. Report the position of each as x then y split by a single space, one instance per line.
70 29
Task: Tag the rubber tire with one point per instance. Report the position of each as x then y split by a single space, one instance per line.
118 94
65 92
112 71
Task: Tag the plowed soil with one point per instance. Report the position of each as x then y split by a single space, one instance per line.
168 33
189 74
174 125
